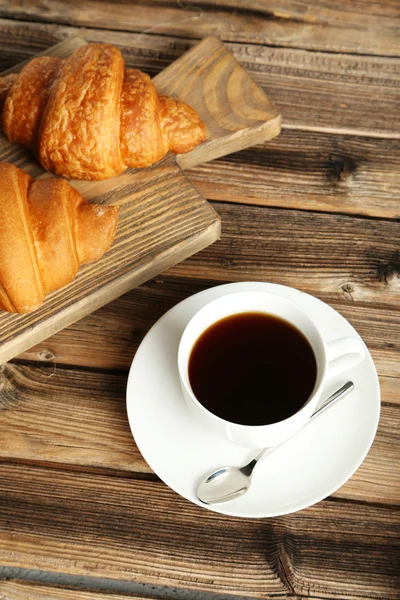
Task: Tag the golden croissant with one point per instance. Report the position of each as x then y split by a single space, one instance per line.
87 117
47 229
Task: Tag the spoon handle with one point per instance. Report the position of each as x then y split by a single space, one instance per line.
343 391
333 398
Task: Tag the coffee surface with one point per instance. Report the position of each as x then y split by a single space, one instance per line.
252 368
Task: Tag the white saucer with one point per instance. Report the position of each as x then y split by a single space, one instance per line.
311 466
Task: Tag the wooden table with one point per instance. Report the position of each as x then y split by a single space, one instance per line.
82 516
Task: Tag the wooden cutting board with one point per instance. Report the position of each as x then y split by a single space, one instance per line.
163 218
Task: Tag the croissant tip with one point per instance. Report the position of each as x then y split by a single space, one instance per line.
39 237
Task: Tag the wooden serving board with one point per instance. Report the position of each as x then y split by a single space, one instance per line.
163 218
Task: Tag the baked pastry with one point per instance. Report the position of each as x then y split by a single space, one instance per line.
87 117
47 229
6 84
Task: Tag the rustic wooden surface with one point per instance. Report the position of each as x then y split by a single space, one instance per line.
343 26
316 208
21 590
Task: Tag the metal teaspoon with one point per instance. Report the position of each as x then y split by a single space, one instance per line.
227 483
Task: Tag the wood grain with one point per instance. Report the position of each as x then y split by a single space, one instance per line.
236 111
309 171
141 530
314 91
335 255
22 590
77 419
65 416
360 28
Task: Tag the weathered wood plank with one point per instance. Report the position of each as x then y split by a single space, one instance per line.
78 418
363 27
335 255
115 527
65 416
314 91
309 171
371 476
23 590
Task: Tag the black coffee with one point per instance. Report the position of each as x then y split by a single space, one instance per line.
252 368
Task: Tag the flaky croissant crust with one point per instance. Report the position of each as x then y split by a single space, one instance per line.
47 230
88 117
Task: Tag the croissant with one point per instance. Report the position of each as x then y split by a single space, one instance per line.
87 117
47 229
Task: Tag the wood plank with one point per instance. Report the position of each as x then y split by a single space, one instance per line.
94 525
335 255
314 91
362 27
66 416
337 92
23 590
370 478
309 171
77 418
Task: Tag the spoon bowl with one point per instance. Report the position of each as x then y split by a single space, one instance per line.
223 485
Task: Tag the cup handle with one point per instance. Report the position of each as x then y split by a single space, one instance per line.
343 354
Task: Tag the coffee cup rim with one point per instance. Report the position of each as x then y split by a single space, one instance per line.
320 356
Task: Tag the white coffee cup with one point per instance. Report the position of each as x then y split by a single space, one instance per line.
332 358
